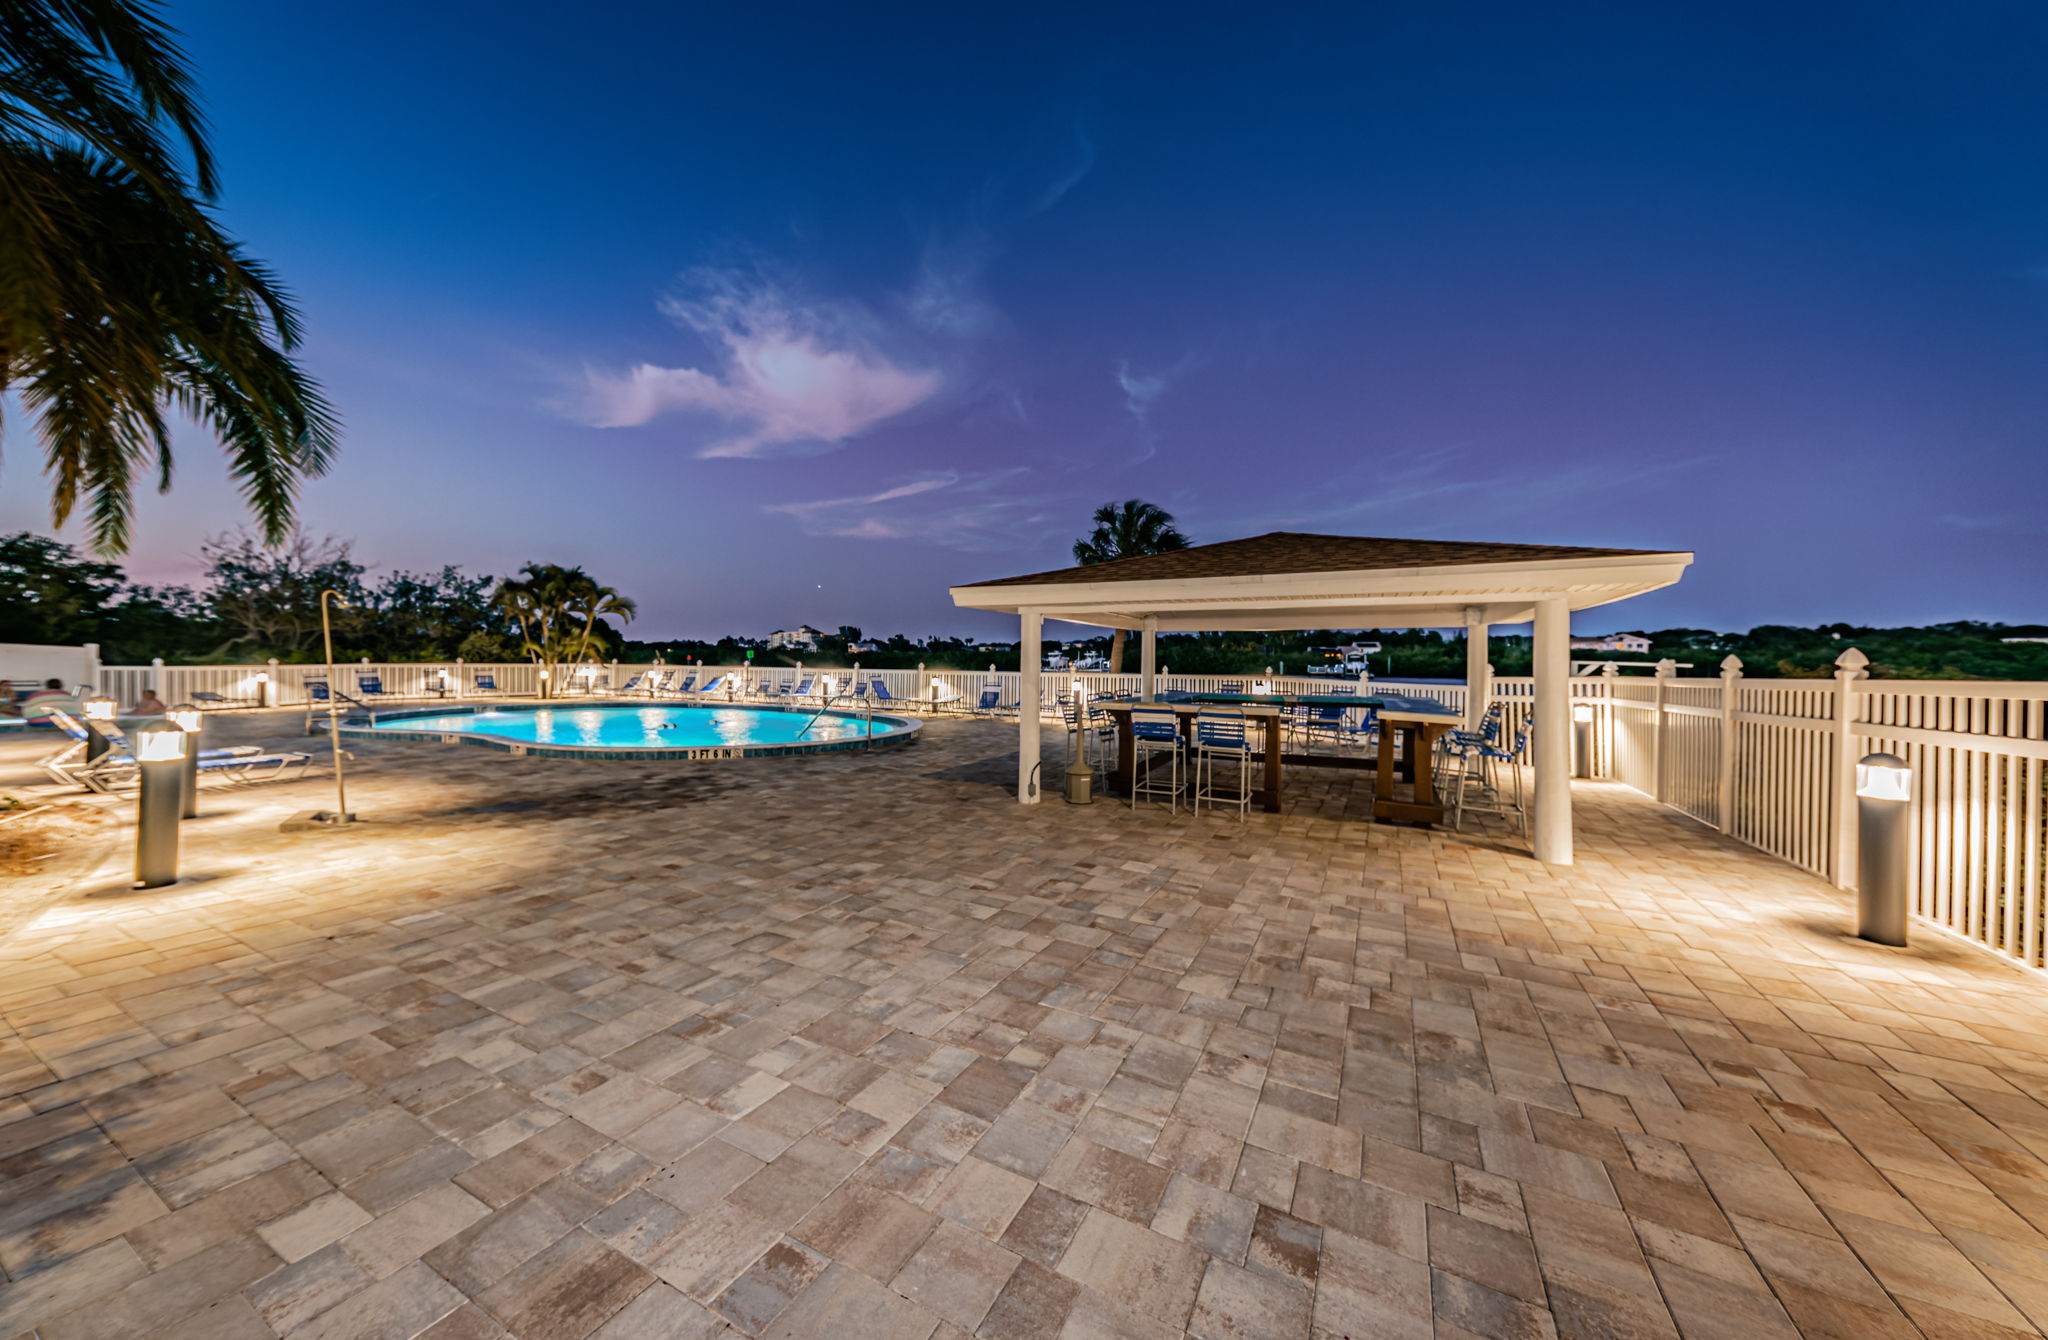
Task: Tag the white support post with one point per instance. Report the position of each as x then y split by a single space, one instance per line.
156 675
89 666
1148 659
1553 738
1660 721
1849 669
461 678
1030 656
1731 698
1478 674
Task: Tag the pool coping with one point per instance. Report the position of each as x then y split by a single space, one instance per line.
909 726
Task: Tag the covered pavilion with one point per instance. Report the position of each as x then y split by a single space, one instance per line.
1289 581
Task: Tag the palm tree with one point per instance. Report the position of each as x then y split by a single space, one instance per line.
595 602
121 299
1127 530
557 610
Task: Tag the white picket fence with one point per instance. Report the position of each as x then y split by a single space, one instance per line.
1770 762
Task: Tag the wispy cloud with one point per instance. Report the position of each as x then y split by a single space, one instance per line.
782 372
1079 166
960 511
1142 392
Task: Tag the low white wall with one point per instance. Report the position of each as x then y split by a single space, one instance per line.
29 660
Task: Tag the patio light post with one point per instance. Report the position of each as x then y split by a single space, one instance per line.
160 750
1884 793
186 718
1582 739
339 814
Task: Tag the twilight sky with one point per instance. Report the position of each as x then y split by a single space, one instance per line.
800 313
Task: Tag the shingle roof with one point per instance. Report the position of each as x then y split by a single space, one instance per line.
1285 551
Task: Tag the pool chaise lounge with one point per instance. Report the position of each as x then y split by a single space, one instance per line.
70 767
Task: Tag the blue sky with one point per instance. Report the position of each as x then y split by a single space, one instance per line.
804 313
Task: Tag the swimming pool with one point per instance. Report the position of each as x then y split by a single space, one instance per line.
640 731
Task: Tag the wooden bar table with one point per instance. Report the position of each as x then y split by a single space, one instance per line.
1127 753
1409 731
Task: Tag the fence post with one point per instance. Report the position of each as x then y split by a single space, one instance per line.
270 693
156 675
1666 668
1609 672
1849 669
1731 691
90 665
460 675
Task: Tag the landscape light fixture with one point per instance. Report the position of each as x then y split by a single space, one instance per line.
186 718
1884 792
263 688
160 750
340 813
1582 739
99 715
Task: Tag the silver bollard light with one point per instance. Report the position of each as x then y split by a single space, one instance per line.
99 717
1582 739
186 718
160 749
1884 794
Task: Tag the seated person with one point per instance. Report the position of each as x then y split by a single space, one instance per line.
148 705
37 705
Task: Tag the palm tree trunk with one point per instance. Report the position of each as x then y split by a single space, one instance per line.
1116 652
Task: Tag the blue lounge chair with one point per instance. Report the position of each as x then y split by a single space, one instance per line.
486 682
715 685
684 689
371 686
69 767
802 689
990 703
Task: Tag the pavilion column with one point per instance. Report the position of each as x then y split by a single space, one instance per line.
1148 659
1552 740
1030 657
1478 673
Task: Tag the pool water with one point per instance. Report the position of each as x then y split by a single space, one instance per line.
652 727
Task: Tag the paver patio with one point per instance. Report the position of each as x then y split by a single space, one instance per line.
854 1046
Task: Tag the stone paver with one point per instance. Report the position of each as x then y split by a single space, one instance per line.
855 1046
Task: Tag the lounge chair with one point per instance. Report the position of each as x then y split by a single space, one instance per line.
715 685
878 693
684 689
801 689
633 684
988 703
372 686
654 681
206 698
486 682
70 767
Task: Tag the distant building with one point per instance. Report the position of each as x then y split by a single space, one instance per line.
1634 643
803 637
2023 639
857 648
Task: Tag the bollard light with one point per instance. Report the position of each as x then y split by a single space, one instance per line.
1582 739
263 688
1884 790
186 718
1883 777
99 714
160 750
